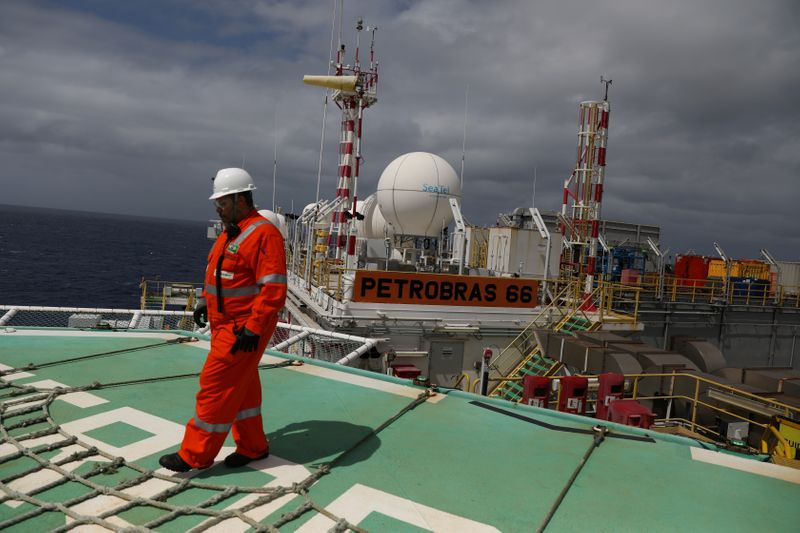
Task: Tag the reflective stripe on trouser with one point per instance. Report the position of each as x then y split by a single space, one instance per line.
229 398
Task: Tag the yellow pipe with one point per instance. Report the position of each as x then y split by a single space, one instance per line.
694 406
339 83
786 447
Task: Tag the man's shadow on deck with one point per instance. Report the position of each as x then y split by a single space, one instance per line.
315 442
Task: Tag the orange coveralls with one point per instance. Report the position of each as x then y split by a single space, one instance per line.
252 279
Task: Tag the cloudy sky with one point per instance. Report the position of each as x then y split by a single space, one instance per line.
131 107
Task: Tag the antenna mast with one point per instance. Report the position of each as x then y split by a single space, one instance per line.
464 138
275 158
583 193
355 89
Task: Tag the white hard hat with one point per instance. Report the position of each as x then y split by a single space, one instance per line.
230 181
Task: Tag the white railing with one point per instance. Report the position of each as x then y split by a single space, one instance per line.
288 338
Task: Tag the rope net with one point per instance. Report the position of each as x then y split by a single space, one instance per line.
41 463
39 455
45 470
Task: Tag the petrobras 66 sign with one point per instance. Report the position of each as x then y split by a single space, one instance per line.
442 289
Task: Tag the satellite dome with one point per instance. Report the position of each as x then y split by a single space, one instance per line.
373 226
414 194
277 220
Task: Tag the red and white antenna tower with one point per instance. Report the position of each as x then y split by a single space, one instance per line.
583 193
355 89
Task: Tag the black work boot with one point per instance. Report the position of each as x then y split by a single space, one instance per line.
174 462
235 460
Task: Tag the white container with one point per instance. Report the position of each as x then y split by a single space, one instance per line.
83 321
522 252
790 276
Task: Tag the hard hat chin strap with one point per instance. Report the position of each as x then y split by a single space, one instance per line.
233 228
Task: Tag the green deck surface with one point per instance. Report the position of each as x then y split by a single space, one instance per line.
452 456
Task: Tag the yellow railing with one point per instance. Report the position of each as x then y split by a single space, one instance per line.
158 294
525 342
716 291
743 400
618 303
756 410
570 303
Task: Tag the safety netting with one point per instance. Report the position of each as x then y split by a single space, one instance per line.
55 472
44 469
288 338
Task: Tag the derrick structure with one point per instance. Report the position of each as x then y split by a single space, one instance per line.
357 90
583 194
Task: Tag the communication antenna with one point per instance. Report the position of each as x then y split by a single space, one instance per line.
464 139
607 83
583 194
354 90
325 105
275 157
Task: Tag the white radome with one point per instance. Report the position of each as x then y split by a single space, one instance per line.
373 226
414 194
277 220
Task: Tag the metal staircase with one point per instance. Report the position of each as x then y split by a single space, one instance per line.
562 315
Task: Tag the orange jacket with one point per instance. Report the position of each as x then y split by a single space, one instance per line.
252 278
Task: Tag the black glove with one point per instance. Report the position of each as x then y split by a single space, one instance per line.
246 340
201 315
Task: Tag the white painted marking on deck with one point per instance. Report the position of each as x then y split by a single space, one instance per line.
43 477
360 500
107 334
165 433
746 465
354 379
285 473
15 375
203 345
78 399
8 449
342 376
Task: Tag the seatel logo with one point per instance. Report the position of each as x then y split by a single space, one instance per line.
436 189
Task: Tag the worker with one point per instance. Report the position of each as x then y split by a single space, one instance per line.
244 289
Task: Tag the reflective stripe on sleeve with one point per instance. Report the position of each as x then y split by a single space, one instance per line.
250 229
211 428
271 278
248 413
249 290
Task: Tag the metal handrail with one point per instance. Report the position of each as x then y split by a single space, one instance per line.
691 423
775 403
546 311
710 290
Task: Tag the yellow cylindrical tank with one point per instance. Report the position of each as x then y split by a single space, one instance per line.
339 83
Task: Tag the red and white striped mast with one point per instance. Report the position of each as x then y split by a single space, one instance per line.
583 192
355 89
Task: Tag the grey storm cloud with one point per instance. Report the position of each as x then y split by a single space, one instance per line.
133 114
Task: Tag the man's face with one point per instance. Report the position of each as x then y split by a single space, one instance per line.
224 207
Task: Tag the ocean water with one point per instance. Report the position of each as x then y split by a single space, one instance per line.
67 258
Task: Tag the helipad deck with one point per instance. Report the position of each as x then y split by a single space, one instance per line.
367 451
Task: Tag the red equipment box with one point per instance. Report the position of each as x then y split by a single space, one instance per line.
691 270
630 276
611 387
631 413
572 395
406 371
535 391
